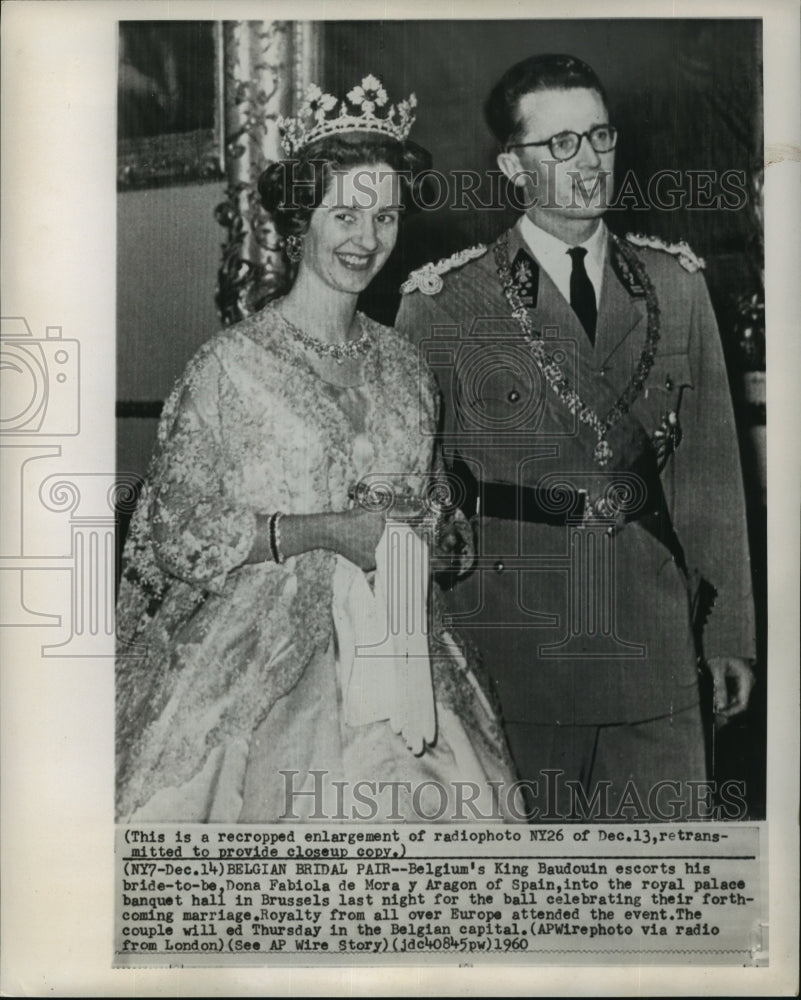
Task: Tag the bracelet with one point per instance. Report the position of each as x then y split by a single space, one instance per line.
274 533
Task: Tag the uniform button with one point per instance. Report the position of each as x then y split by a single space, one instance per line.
499 567
513 396
668 383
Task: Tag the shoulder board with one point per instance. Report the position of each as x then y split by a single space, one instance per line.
427 279
685 256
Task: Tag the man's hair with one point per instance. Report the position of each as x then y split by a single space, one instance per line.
543 72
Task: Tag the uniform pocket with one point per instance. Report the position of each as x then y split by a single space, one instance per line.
499 388
669 374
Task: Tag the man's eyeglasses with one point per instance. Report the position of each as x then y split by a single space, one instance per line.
565 145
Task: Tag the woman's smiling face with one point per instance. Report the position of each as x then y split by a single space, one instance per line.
353 232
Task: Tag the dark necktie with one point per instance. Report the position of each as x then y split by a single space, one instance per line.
582 294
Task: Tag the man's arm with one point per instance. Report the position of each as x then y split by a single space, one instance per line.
710 510
413 319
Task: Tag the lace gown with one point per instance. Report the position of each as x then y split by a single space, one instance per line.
229 682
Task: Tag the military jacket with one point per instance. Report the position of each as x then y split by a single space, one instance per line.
579 623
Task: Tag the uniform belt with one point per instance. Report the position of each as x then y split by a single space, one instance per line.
516 503
527 503
532 505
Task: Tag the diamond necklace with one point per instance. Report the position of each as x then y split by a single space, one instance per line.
339 352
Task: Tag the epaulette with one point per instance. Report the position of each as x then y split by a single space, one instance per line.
686 257
427 279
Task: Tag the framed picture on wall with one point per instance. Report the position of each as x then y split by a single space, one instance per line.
169 103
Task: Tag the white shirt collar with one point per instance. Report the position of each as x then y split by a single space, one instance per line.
552 256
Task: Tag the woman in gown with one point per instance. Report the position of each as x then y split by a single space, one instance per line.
248 578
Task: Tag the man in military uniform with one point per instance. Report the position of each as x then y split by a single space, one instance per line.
588 426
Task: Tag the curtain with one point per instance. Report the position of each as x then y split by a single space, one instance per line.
267 66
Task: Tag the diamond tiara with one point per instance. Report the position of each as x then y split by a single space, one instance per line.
318 117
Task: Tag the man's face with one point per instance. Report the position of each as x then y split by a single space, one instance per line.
557 191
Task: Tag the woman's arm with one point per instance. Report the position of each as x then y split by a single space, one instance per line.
201 529
354 534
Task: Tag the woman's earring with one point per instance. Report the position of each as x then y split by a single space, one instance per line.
293 247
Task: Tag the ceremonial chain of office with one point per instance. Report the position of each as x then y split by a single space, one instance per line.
554 375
